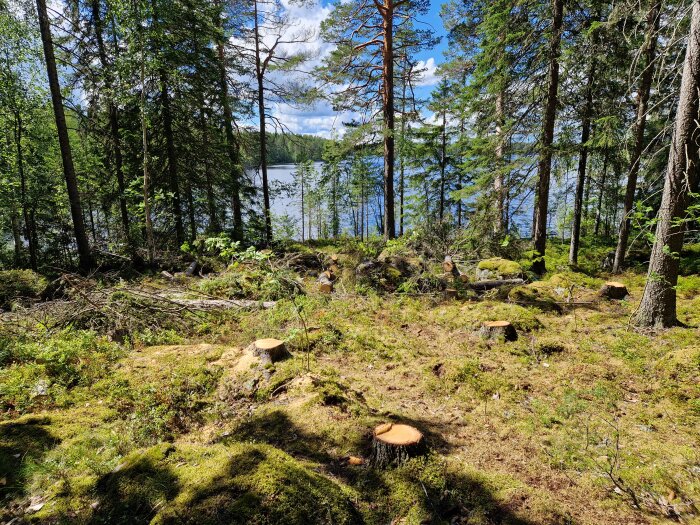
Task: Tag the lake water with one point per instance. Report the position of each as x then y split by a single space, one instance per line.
282 204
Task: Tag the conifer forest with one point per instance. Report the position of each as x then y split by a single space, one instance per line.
382 262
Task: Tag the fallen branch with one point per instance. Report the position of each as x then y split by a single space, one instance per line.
482 286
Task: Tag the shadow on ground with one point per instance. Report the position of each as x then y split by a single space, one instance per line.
135 491
22 443
454 498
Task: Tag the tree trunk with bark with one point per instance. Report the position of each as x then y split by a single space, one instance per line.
544 167
113 119
582 163
84 255
387 12
259 73
173 181
232 145
658 306
498 186
649 53
31 241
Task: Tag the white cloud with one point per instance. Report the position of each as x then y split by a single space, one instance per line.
428 76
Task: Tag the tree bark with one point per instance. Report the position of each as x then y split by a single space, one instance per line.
582 163
498 186
387 12
658 306
23 192
649 53
601 190
232 145
443 164
150 241
113 120
544 167
84 255
173 181
263 133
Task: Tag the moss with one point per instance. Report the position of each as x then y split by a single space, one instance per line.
499 266
17 285
251 484
528 295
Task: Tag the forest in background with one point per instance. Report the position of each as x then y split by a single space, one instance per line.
477 304
165 106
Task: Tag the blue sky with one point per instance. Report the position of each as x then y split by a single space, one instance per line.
322 120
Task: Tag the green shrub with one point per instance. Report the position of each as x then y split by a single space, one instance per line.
46 369
19 284
158 412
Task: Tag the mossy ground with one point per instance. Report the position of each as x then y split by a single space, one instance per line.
581 420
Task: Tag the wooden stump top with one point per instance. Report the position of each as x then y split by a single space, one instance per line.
615 284
497 324
268 344
398 435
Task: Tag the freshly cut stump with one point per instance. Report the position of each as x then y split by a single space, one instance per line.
325 284
269 350
449 266
395 444
496 329
614 290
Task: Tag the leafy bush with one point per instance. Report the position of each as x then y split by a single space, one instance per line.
250 282
19 284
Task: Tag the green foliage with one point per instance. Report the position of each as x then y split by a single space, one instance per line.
42 371
17 285
159 412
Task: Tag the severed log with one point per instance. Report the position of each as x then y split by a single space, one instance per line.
482 286
498 329
221 304
325 284
395 444
449 266
450 293
192 269
614 290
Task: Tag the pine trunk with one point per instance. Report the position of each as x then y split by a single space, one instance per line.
113 119
84 255
387 11
582 163
639 126
544 167
263 132
658 306
232 145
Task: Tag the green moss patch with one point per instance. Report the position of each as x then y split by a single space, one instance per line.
501 267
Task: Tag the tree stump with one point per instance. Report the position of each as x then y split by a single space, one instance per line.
614 290
496 329
325 284
450 293
269 350
395 444
448 266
